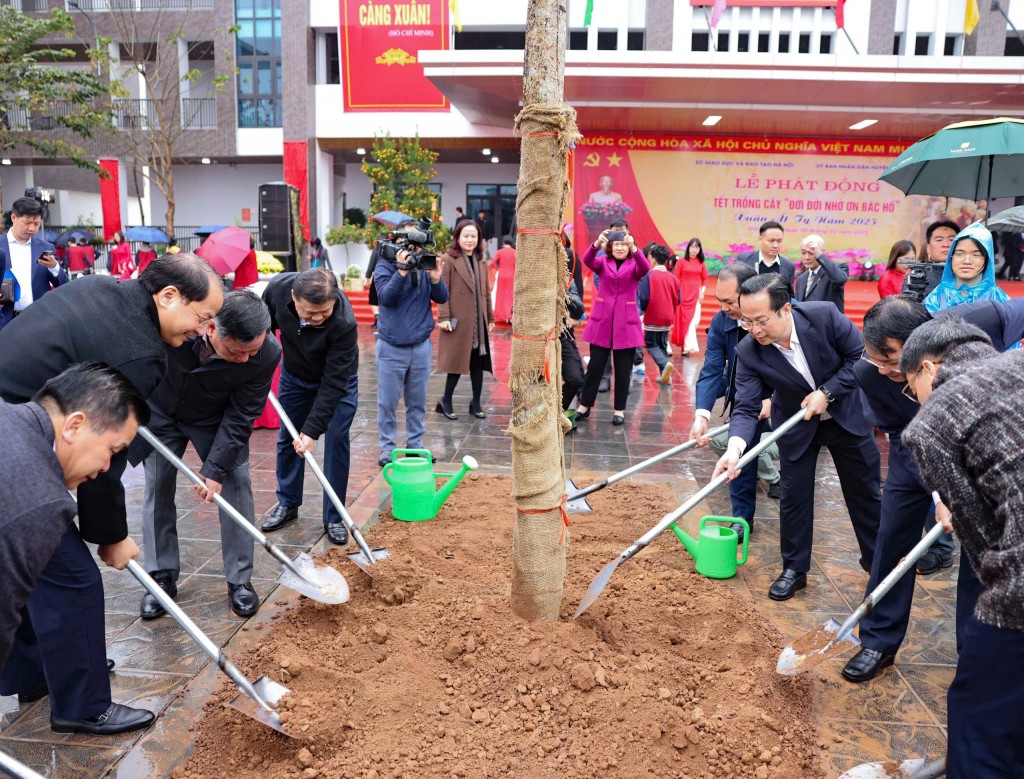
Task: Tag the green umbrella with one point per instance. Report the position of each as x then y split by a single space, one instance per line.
973 160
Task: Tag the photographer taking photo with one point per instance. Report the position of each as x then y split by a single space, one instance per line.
405 291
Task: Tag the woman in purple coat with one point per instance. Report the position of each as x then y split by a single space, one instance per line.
613 328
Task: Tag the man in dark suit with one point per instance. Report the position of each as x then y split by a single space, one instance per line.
768 259
60 648
805 354
28 257
215 387
822 279
906 500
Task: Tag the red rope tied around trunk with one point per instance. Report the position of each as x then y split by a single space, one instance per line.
561 507
552 334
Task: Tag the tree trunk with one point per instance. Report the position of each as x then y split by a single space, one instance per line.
538 425
169 195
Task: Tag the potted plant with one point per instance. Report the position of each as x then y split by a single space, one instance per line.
354 281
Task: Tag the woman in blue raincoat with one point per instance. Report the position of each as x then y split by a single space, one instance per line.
970 273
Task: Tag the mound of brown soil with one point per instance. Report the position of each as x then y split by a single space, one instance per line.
427 673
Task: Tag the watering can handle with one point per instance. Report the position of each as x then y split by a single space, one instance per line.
731 521
413 452
387 468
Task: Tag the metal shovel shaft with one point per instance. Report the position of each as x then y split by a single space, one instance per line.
605 574
230 510
197 635
600 485
11 767
328 489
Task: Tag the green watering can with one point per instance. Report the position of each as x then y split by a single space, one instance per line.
715 546
412 480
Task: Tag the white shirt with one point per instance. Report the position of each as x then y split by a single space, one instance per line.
21 267
766 261
794 356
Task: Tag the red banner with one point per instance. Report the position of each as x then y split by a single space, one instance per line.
380 43
110 198
296 173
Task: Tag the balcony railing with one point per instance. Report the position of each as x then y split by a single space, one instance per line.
135 114
26 6
199 113
134 5
260 112
19 118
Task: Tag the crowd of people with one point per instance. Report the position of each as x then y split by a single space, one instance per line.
196 365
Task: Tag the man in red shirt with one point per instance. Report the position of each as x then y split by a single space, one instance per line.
658 296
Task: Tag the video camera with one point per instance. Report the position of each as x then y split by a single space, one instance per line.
919 279
415 242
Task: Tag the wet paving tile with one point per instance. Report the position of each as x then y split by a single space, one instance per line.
62 761
162 645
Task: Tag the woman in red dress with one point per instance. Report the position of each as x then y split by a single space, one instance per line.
692 274
121 264
144 256
891 282
505 261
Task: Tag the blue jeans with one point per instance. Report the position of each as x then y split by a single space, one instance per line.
297 398
402 368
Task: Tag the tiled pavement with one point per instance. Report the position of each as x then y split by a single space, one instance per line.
900 714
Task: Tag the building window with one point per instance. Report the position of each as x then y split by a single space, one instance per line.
764 41
783 43
493 39
897 44
743 41
607 40
723 40
1014 46
825 47
333 58
699 41
804 43
635 40
259 62
921 45
950 48
577 40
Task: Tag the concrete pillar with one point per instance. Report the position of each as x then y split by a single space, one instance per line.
660 18
882 27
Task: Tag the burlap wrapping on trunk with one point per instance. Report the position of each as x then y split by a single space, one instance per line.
538 461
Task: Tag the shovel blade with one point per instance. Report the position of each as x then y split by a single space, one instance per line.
363 563
270 692
812 649
319 582
915 768
597 586
579 505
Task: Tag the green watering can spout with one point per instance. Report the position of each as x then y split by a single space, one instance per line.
687 540
468 464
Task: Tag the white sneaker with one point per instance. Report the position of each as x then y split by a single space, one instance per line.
639 370
666 375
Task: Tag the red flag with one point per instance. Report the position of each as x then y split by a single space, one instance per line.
840 21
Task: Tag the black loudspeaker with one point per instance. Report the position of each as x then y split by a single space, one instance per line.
276 233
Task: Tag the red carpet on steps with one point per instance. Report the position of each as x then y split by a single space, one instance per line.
860 296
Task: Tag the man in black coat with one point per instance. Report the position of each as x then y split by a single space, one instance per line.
768 257
123 324
822 279
318 390
63 438
805 354
215 387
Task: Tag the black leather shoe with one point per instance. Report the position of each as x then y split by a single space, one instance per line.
445 407
117 719
740 531
382 461
933 562
618 421
151 608
787 584
866 665
110 665
584 414
244 600
279 517
775 491
475 410
337 533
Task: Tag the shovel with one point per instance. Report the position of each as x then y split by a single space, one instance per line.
365 557
602 578
832 639
319 582
915 768
11 767
257 699
576 502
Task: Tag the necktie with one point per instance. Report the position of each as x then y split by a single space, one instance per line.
810 283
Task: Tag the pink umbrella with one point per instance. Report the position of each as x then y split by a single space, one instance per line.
225 249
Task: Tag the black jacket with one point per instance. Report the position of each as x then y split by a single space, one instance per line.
326 355
220 397
829 282
101 319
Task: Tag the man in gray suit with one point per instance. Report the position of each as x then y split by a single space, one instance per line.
768 258
215 387
822 279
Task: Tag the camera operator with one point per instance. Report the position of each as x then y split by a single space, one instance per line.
925 276
403 227
405 293
29 265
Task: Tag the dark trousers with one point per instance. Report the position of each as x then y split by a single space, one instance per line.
476 378
572 369
905 507
656 343
61 641
743 489
623 363
297 398
858 465
968 590
985 705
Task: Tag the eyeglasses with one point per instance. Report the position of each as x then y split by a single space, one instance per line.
976 256
908 391
760 324
880 365
202 319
